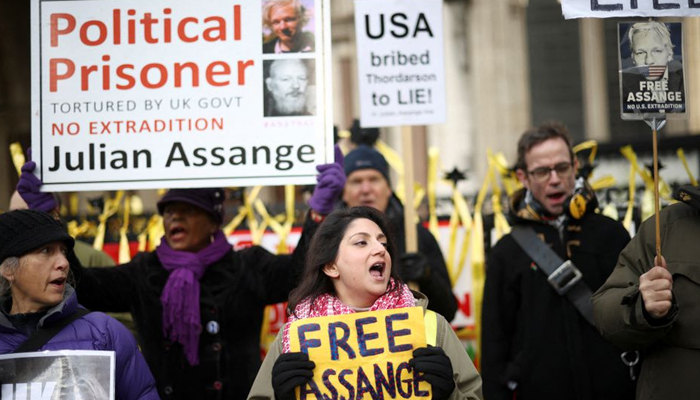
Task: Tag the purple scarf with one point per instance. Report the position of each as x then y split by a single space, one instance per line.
180 298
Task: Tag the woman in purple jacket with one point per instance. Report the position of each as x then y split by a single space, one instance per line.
34 294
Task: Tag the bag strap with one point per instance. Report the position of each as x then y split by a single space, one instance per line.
564 277
44 334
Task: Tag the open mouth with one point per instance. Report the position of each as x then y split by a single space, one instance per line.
556 197
377 270
287 32
177 232
60 282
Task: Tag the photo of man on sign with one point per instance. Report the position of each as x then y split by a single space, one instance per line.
288 26
651 69
289 87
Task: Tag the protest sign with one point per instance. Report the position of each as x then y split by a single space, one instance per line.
400 62
361 354
652 84
173 93
629 8
56 375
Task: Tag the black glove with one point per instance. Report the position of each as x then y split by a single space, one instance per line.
436 369
291 370
414 267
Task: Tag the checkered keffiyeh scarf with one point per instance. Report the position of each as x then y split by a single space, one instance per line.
327 304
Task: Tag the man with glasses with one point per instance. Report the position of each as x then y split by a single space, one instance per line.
537 342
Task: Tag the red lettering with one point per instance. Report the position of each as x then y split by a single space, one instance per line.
242 65
181 30
194 69
102 29
226 70
163 76
54 76
131 81
55 31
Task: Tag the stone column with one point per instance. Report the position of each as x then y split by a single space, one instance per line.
595 99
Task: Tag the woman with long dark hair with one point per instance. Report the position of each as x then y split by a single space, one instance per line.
348 270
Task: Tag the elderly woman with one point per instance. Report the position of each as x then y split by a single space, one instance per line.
35 295
350 270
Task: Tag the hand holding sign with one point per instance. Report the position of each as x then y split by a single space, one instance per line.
437 370
656 288
29 187
331 181
290 371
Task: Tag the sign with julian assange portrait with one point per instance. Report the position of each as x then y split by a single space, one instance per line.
652 83
57 375
174 93
363 354
629 8
400 63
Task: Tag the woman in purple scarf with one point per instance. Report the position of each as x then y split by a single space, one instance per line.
197 304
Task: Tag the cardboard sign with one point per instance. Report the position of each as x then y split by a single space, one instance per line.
400 62
652 83
173 93
56 375
362 354
629 8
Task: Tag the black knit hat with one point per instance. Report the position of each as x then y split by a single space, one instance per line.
210 200
364 157
22 231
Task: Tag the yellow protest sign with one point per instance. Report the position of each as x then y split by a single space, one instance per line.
360 355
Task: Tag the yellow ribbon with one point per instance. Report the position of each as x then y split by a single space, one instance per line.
501 225
433 166
110 208
510 181
256 230
603 182
610 211
124 251
681 155
631 156
151 235
17 156
76 230
627 220
589 144
478 258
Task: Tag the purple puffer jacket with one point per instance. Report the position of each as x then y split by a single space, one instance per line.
94 331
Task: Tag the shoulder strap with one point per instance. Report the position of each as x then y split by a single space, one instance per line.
430 327
564 277
44 334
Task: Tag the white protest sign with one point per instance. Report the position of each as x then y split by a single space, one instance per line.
56 375
400 62
629 8
652 83
175 93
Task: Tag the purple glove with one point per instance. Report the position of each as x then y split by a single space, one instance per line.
331 181
29 187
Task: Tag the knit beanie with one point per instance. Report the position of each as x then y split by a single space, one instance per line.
364 157
22 231
210 200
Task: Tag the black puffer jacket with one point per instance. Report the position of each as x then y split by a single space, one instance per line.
234 293
533 338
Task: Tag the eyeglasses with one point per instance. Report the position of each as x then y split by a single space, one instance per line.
562 169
